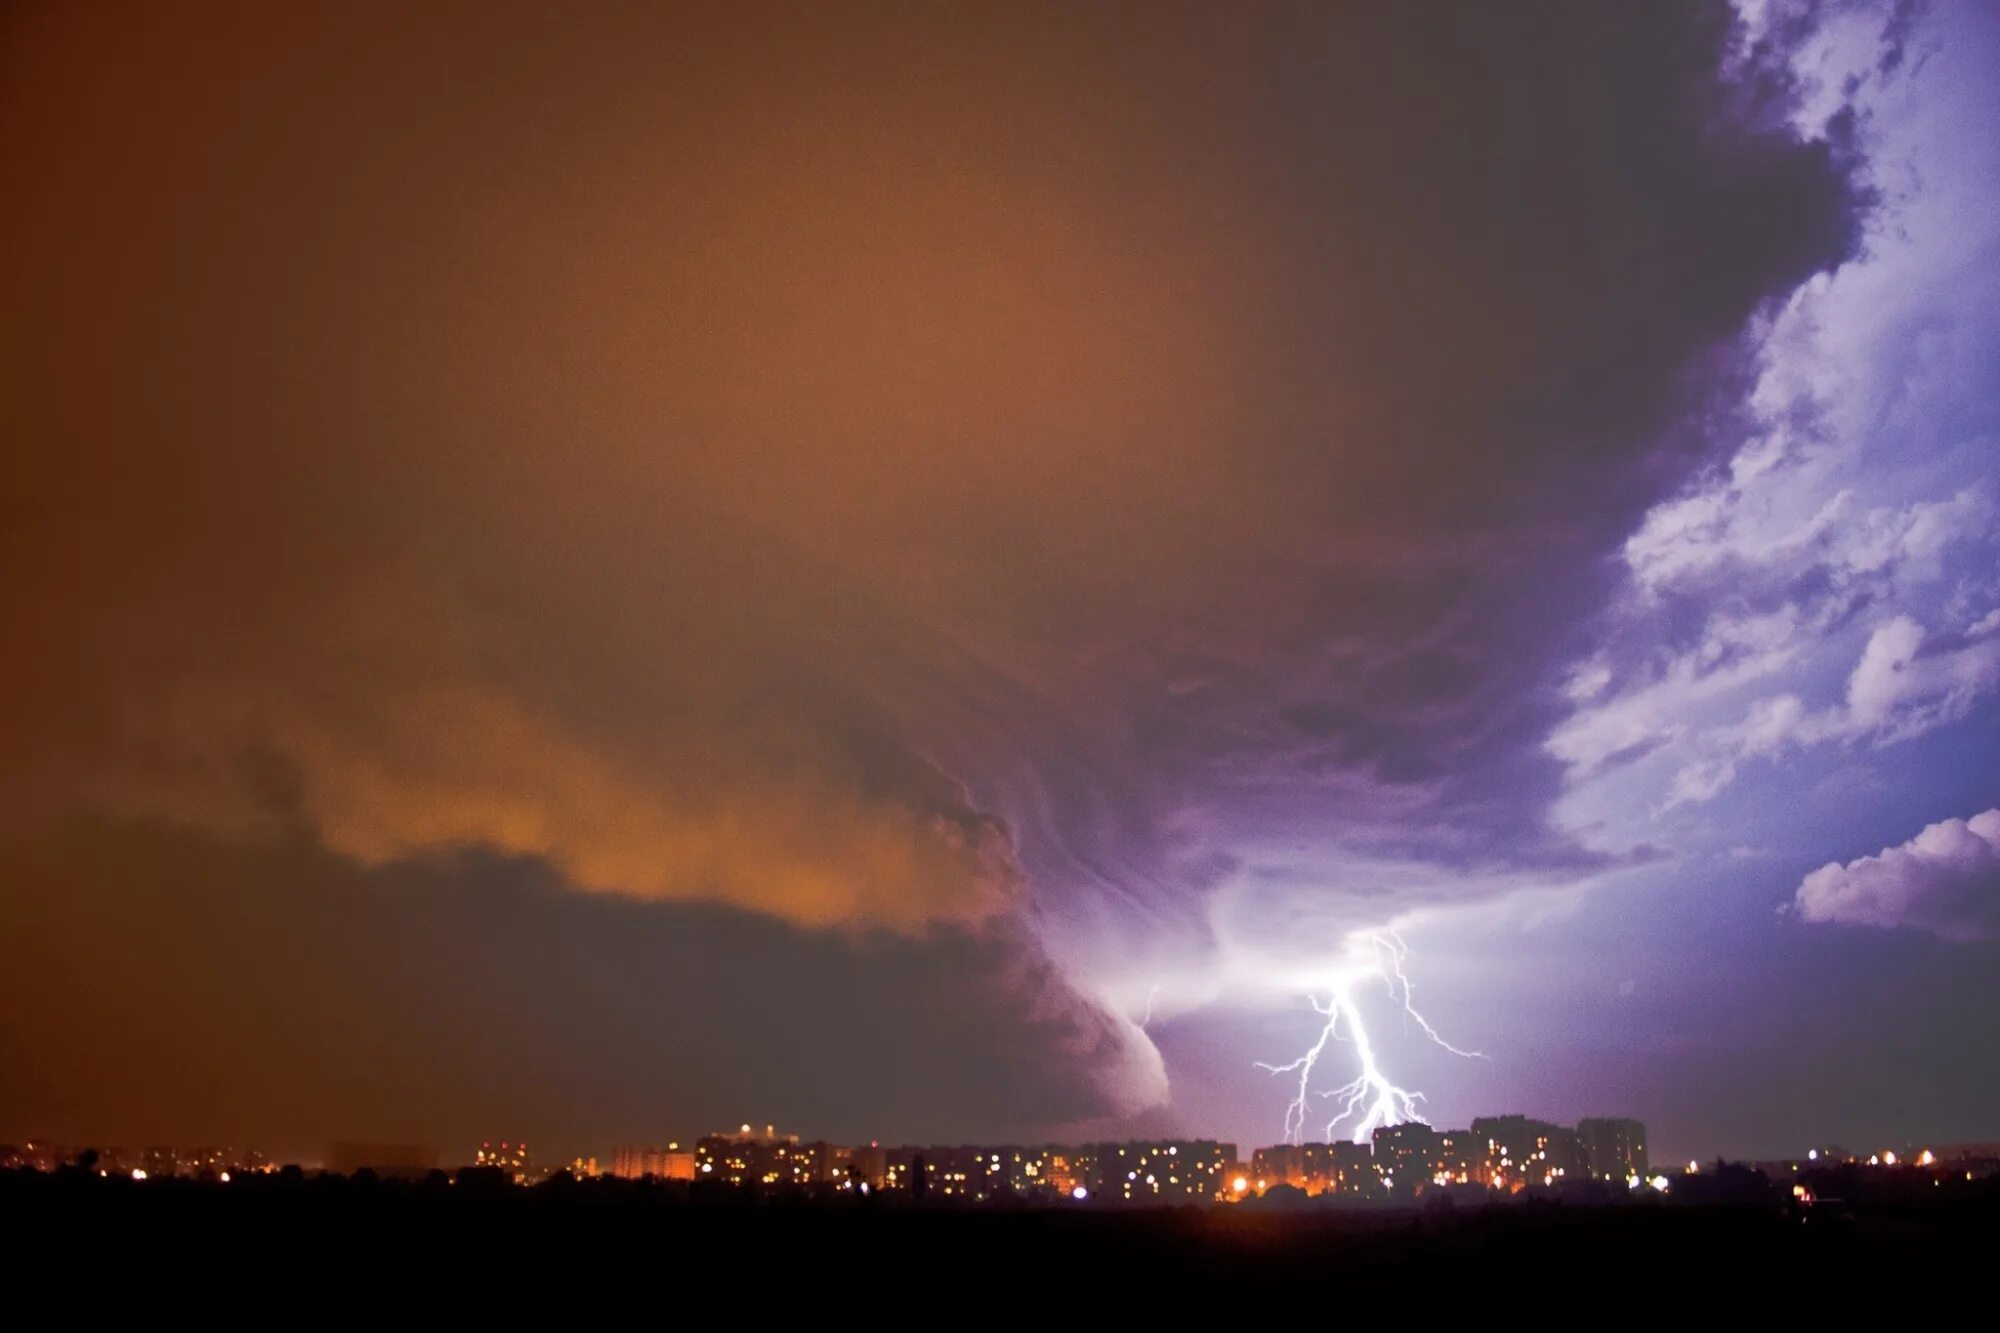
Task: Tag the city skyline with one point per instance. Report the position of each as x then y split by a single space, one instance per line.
1597 1164
681 1158
1000 573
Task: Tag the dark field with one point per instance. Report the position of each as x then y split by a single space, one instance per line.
577 1247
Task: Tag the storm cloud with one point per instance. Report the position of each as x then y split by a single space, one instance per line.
1096 481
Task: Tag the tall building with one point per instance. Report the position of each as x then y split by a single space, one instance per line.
1346 1168
1461 1159
1522 1153
1409 1156
1613 1149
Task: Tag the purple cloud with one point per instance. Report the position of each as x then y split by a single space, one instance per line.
1946 880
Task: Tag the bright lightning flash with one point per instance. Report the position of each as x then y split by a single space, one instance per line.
1371 1100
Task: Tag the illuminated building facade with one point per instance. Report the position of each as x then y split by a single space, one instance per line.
869 1166
1345 1167
1340 1167
1408 1156
1169 1171
1522 1153
1280 1164
1412 1159
816 1163
771 1160
1613 1149
747 1157
1064 1171
981 1172
636 1161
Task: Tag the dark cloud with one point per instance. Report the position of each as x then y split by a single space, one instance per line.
867 466
155 983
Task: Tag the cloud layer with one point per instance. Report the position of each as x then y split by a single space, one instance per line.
1133 483
1827 588
818 483
1946 880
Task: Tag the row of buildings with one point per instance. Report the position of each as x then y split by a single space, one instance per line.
1184 1170
211 1162
1508 1153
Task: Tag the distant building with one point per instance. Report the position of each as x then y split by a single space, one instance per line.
1067 1170
769 1159
1522 1153
637 1161
1346 1168
1460 1160
869 1166
816 1163
1613 1149
1280 1164
512 1159
1340 1168
1169 1171
940 1171
1409 1156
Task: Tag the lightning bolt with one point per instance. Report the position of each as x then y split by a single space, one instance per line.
1371 1099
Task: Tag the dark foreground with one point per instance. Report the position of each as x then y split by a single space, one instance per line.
341 1244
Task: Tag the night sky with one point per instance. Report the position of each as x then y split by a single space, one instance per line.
595 572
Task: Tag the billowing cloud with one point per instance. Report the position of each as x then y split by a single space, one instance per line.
1946 880
1827 586
937 472
815 483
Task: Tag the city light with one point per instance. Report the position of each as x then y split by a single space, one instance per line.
1595 1161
